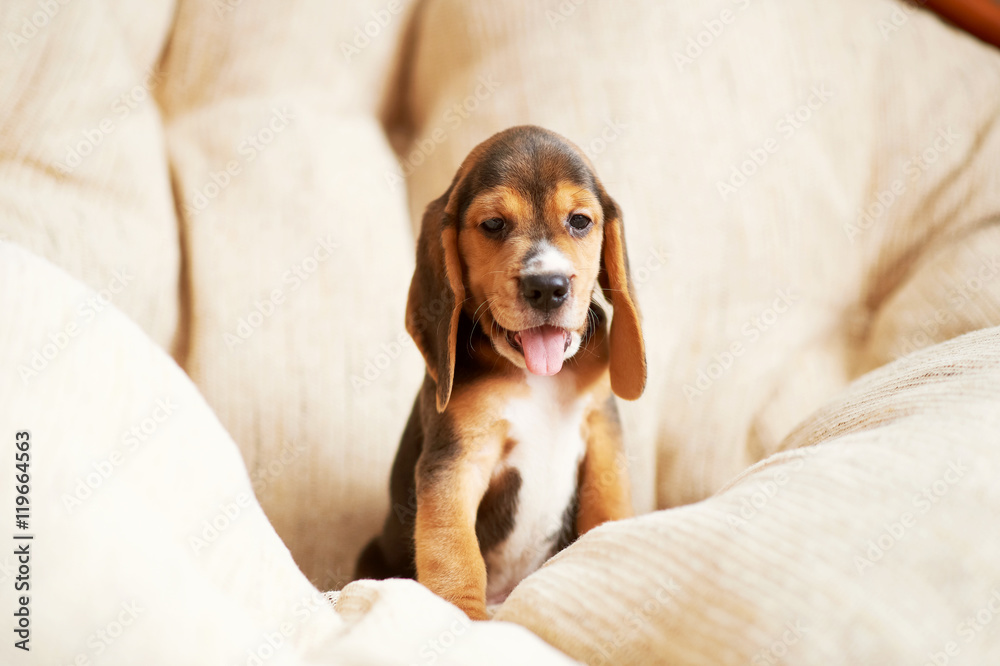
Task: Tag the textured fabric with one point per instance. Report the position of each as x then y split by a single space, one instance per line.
864 543
757 146
142 511
84 177
298 260
402 622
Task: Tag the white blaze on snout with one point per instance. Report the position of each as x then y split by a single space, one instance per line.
547 260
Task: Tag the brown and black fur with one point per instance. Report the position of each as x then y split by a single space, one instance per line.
454 497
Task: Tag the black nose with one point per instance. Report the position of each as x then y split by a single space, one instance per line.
546 291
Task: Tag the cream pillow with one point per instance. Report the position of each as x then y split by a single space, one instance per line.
84 179
148 543
298 258
864 542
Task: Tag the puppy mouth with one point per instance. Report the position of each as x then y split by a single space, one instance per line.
543 347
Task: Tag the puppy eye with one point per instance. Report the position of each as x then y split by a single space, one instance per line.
494 225
579 222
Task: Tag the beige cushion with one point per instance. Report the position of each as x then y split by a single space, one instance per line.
141 508
402 622
298 257
864 543
84 179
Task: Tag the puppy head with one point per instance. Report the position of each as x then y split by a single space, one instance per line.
518 244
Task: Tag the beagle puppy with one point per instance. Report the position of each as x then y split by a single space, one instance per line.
513 447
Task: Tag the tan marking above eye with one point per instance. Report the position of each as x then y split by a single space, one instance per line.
570 199
502 202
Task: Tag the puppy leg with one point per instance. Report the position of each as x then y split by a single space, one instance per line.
604 491
371 563
449 561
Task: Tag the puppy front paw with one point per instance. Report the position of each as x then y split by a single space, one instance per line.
475 611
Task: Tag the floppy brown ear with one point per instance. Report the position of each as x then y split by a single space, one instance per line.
628 352
436 296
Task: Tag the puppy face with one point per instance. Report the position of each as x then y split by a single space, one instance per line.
530 233
517 245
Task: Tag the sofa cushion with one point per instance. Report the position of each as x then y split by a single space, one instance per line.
862 542
149 545
298 258
84 179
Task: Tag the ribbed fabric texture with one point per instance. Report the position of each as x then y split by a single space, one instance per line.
149 545
868 541
84 175
298 261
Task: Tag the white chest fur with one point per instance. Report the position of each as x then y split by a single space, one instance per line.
547 426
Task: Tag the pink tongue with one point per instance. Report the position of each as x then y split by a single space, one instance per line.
543 348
